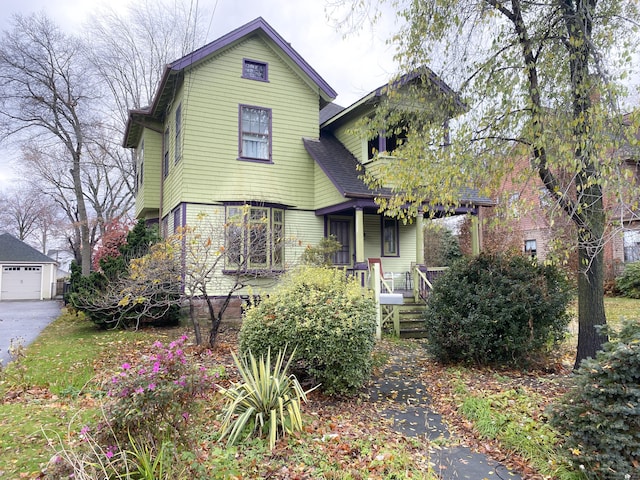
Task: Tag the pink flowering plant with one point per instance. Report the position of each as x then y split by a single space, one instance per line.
156 399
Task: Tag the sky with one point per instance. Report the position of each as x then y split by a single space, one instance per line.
353 66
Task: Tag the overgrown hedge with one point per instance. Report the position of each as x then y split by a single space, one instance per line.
628 284
600 416
327 319
86 292
496 309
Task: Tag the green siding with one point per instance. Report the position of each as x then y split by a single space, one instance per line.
355 144
326 193
373 244
148 196
173 187
303 229
211 95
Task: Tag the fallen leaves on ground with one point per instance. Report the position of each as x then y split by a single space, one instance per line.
345 436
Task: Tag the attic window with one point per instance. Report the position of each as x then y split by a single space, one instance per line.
254 70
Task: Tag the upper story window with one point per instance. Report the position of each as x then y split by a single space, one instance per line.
165 158
255 70
386 142
531 248
178 143
255 133
140 166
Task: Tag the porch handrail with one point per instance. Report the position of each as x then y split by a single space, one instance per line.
422 285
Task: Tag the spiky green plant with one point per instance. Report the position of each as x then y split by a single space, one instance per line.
267 401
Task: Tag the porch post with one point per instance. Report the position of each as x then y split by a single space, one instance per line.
475 235
359 236
420 237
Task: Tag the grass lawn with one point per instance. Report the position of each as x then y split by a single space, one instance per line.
59 383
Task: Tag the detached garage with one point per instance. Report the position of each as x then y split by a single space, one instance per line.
25 273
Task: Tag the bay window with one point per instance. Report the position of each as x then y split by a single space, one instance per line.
254 238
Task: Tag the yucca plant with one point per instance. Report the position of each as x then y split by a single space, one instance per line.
267 402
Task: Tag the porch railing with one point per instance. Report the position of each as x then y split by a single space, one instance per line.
423 278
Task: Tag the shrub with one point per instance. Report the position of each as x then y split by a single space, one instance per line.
156 399
629 282
441 247
266 402
496 309
600 416
328 320
322 254
104 295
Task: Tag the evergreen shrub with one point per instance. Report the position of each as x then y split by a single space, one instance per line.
496 309
628 284
600 416
326 318
88 293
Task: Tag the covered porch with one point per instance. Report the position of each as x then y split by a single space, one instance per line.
387 255
365 234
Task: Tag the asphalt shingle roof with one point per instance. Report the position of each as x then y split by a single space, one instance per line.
341 167
14 250
329 111
338 164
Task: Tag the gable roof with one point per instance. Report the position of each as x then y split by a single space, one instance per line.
14 250
423 74
173 71
339 165
345 172
329 111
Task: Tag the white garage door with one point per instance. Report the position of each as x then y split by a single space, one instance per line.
21 282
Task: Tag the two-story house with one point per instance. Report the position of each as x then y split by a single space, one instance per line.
244 128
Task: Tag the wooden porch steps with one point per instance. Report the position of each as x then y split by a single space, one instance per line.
411 317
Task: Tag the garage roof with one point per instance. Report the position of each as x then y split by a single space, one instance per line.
14 250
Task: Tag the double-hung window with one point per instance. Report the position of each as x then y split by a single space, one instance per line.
255 133
165 158
531 248
254 238
178 142
390 237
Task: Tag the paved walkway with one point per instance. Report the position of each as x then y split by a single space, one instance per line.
408 406
23 321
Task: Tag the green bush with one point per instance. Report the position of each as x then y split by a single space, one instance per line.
496 309
600 416
267 401
93 294
629 282
327 319
441 247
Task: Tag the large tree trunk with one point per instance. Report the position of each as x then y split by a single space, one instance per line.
591 312
85 237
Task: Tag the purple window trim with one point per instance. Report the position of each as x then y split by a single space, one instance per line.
165 154
176 218
178 135
246 61
240 138
396 228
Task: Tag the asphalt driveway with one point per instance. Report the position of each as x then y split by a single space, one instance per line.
24 320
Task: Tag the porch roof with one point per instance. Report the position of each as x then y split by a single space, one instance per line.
340 166
344 171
